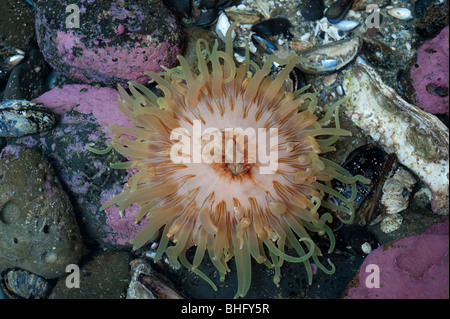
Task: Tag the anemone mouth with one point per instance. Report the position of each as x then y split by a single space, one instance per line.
227 207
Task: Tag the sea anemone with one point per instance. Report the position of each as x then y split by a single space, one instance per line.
227 205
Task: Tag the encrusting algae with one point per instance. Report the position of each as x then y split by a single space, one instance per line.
225 206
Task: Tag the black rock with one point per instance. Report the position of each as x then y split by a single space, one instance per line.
420 6
433 20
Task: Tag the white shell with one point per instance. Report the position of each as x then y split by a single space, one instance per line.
400 13
347 25
390 223
419 139
366 248
222 26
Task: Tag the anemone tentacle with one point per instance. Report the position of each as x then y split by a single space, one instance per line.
228 208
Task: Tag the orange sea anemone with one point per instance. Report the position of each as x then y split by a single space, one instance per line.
229 208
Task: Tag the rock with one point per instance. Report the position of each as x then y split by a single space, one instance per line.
56 80
116 42
27 80
104 276
432 68
17 25
38 231
433 19
84 112
420 6
408 268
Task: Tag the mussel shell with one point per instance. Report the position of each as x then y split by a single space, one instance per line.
266 45
312 9
271 27
22 284
337 10
330 57
442 91
21 117
296 80
367 161
183 8
207 18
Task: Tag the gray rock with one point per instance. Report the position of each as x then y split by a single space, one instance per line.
38 231
104 276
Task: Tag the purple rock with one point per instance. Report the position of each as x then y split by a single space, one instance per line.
415 267
84 112
431 74
116 41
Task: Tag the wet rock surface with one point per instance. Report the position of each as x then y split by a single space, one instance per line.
103 275
433 19
17 25
38 231
293 284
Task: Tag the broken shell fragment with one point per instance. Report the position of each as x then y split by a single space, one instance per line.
419 139
330 57
222 26
400 13
391 222
146 284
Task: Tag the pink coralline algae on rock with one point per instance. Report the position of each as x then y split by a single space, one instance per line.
116 41
84 114
100 102
415 267
430 74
